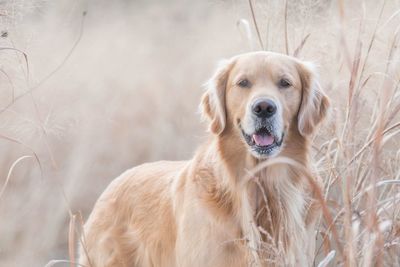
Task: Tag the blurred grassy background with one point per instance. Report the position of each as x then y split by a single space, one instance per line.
128 93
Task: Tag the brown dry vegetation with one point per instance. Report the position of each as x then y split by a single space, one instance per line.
82 98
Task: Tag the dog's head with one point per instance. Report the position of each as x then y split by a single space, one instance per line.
257 96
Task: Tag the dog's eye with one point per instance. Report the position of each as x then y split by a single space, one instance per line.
244 83
284 83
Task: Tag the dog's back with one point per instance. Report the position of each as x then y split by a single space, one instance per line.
133 219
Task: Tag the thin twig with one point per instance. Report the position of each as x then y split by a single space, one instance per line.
256 25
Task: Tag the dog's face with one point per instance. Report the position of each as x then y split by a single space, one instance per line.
258 95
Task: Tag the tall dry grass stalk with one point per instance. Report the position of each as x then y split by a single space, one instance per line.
74 111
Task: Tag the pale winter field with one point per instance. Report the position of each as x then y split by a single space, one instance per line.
84 96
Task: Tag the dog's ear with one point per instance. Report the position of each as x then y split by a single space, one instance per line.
213 100
314 103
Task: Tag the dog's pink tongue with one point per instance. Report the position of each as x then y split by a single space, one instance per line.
263 140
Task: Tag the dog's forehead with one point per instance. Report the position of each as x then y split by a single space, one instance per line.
265 62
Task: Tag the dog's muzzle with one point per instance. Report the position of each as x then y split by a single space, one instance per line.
265 139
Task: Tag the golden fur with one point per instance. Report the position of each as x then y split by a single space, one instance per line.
215 210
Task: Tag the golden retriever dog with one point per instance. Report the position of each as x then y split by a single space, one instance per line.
221 208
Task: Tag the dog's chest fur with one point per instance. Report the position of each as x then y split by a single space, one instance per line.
279 214
267 217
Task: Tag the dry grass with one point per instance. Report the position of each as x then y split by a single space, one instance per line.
82 98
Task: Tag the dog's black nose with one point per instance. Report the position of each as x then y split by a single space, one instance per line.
264 108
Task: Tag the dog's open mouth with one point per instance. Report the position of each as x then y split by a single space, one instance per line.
262 141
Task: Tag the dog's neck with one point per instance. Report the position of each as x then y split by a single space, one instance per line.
271 201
